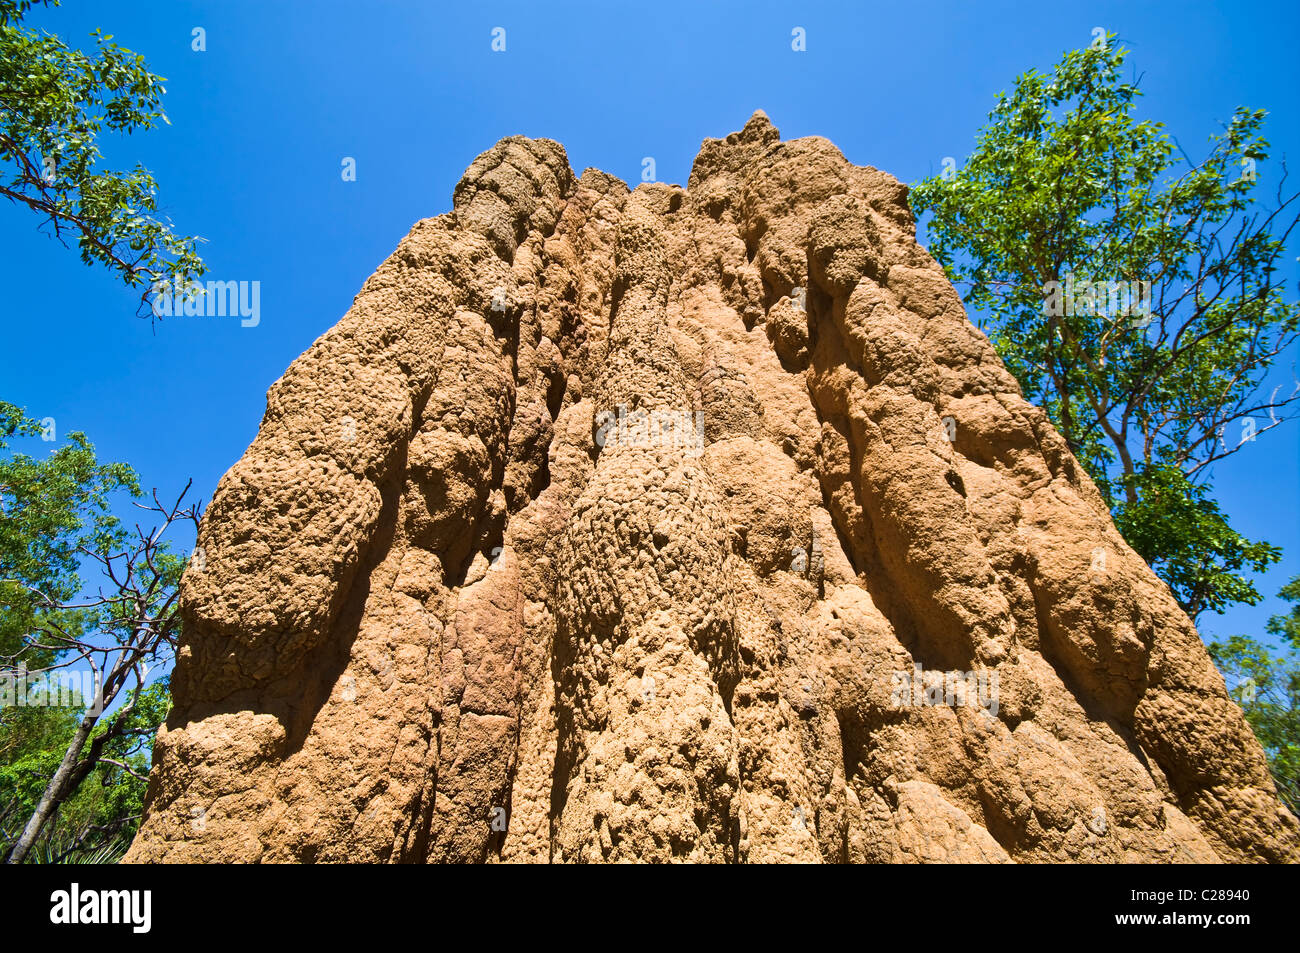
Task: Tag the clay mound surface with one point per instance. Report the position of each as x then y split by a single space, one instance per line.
681 524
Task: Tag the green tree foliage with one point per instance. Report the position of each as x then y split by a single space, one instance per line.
97 821
72 777
72 771
1135 295
54 103
50 509
1267 686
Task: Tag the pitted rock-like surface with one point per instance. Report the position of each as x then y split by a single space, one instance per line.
604 524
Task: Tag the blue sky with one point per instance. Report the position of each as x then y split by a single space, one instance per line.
262 120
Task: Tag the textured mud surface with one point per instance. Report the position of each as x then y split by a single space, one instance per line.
614 525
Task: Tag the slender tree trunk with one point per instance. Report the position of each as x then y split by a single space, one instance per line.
1118 439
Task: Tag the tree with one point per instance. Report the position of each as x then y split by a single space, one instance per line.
49 510
54 513
1135 295
54 102
95 822
1267 687
55 516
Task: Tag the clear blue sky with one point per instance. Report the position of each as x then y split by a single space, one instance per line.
413 91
